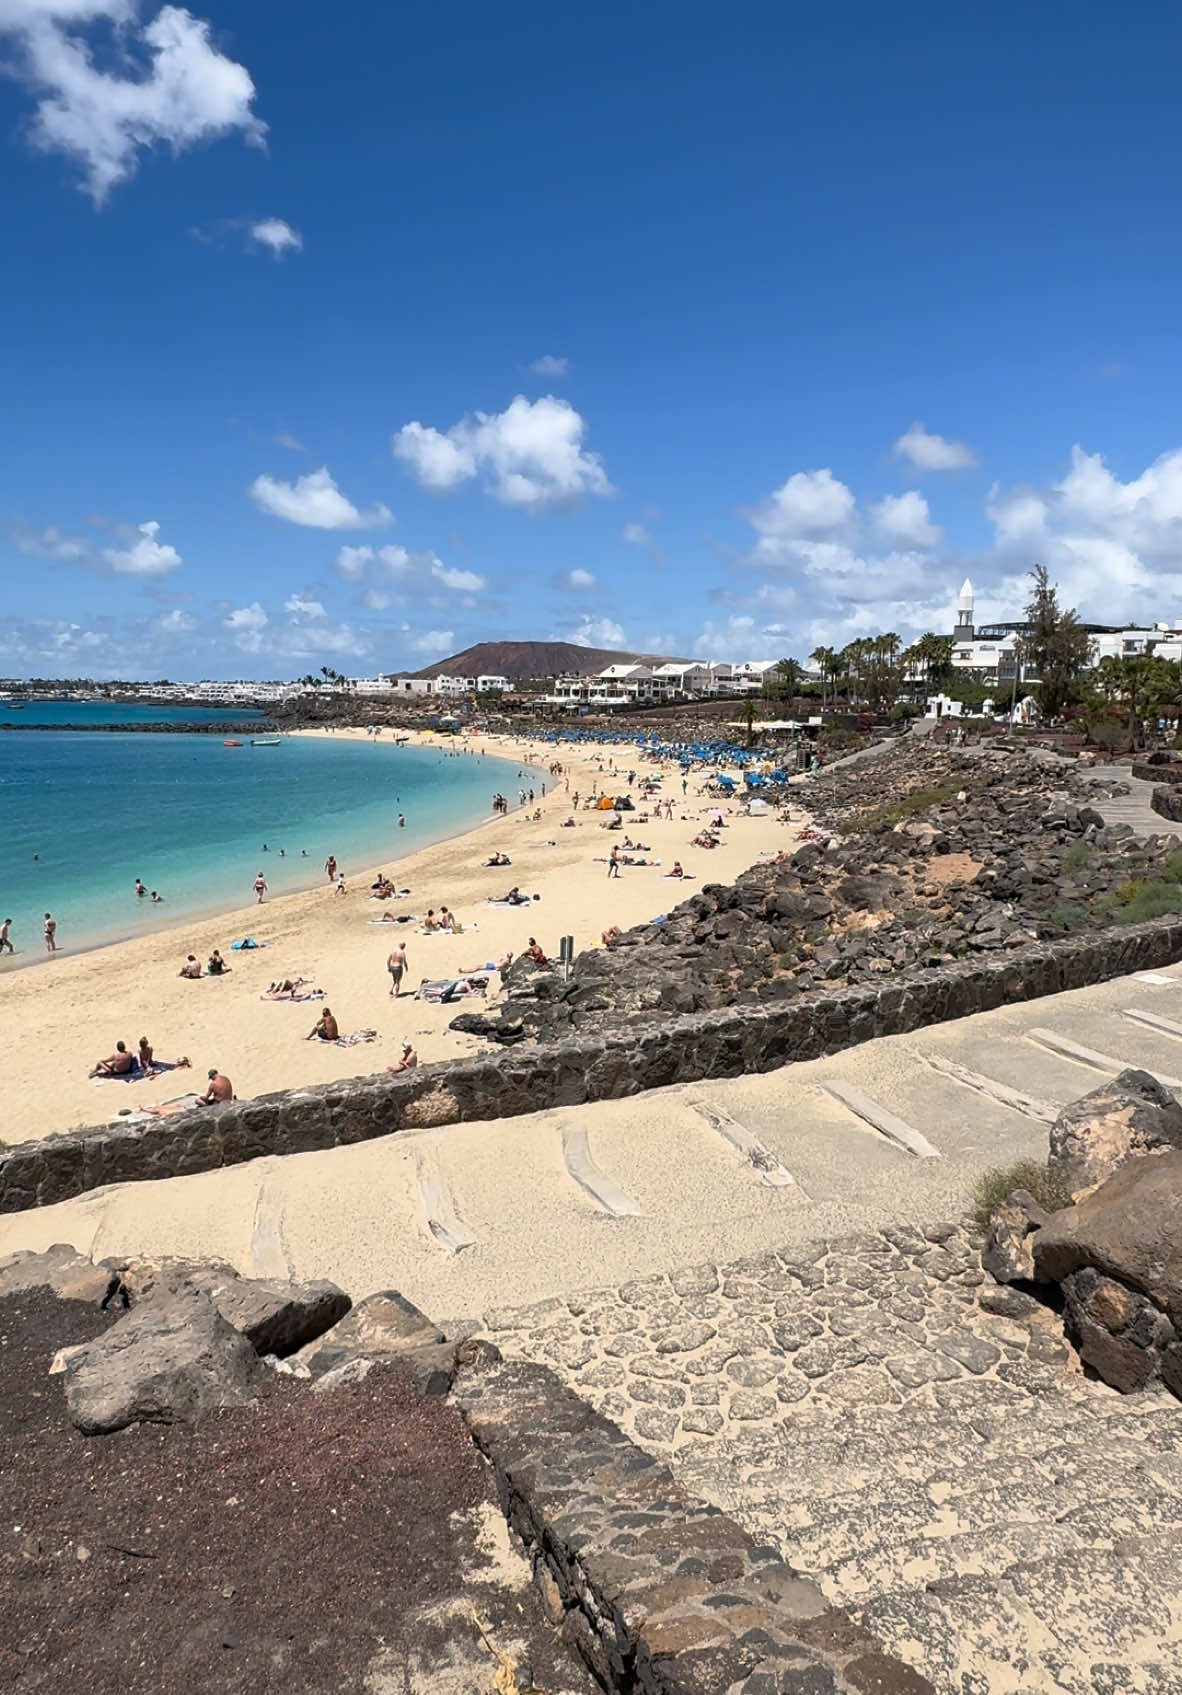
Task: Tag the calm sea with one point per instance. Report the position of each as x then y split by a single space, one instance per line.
115 712
85 814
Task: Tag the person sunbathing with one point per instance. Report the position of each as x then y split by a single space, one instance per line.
325 1028
119 1064
408 1061
148 1063
504 964
283 988
191 967
499 859
431 923
677 870
612 934
534 952
217 966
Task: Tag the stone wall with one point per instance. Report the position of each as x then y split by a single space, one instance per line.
661 1593
723 1043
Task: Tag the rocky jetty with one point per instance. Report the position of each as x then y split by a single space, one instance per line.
927 855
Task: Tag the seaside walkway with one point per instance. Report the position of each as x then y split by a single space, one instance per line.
486 1214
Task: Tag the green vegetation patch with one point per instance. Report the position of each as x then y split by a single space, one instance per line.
1037 1178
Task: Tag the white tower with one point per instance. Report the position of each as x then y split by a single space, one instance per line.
964 613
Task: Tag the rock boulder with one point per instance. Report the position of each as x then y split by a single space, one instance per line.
1094 1136
165 1362
379 1327
1009 1250
275 1316
1127 1229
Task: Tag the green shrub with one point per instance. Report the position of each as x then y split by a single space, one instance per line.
1172 867
1047 1187
1150 900
1066 917
1081 856
885 817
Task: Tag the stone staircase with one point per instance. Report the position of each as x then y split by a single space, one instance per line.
997 1543
920 1442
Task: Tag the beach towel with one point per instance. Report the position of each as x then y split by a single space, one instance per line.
135 1075
512 905
355 1037
182 1103
246 943
403 918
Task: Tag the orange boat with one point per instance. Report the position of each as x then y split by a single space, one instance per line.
231 744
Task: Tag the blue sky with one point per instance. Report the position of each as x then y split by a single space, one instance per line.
353 338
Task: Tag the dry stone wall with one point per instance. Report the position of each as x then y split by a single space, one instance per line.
609 1066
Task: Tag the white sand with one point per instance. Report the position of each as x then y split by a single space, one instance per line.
64 1015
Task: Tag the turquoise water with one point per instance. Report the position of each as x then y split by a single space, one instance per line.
85 814
99 712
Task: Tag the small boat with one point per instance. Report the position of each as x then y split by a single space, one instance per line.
228 743
264 741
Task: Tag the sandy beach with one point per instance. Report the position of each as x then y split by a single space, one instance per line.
67 1014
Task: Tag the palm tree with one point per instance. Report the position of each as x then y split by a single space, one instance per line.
789 671
747 714
825 659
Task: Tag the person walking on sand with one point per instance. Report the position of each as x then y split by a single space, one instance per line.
260 888
396 965
50 933
613 862
330 868
5 940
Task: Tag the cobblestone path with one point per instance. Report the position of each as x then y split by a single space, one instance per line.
919 1439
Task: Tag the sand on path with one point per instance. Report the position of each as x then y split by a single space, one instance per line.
66 1014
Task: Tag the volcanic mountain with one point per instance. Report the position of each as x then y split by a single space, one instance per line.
524 662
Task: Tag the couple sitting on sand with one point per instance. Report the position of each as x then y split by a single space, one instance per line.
142 1063
445 921
216 967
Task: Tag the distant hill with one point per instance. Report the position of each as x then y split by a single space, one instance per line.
524 661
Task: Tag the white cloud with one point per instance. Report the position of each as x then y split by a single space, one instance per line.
467 582
808 504
596 632
276 236
636 534
531 454
417 576
176 623
292 443
580 580
907 518
49 543
932 452
146 557
300 607
1018 516
316 502
434 643
740 637
550 366
178 90
246 625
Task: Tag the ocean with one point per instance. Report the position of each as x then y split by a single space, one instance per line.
85 814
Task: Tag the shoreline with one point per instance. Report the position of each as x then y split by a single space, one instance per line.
65 1019
29 958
